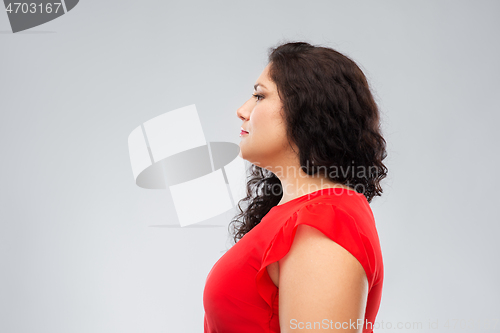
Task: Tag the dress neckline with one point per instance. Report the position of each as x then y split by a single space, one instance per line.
317 193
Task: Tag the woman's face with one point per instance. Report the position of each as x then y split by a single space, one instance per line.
265 144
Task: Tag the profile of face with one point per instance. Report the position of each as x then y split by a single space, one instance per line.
265 144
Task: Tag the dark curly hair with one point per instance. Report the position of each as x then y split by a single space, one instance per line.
331 116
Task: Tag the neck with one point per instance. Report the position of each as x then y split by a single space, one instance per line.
296 183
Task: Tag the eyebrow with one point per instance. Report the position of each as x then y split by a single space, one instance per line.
258 84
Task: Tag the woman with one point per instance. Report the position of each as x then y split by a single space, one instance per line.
308 257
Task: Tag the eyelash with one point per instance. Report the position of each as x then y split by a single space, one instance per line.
257 96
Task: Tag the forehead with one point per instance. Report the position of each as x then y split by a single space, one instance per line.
264 79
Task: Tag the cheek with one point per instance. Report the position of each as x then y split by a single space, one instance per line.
270 131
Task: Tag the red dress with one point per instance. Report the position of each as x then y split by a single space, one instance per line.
240 296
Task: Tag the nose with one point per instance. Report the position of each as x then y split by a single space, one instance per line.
244 111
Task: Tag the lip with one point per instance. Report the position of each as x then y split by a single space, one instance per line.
243 132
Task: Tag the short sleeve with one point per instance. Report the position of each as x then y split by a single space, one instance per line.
332 221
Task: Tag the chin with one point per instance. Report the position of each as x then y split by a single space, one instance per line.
243 153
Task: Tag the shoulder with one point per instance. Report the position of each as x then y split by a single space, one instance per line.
320 279
312 250
325 237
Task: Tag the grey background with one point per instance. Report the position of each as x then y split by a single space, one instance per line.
83 249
